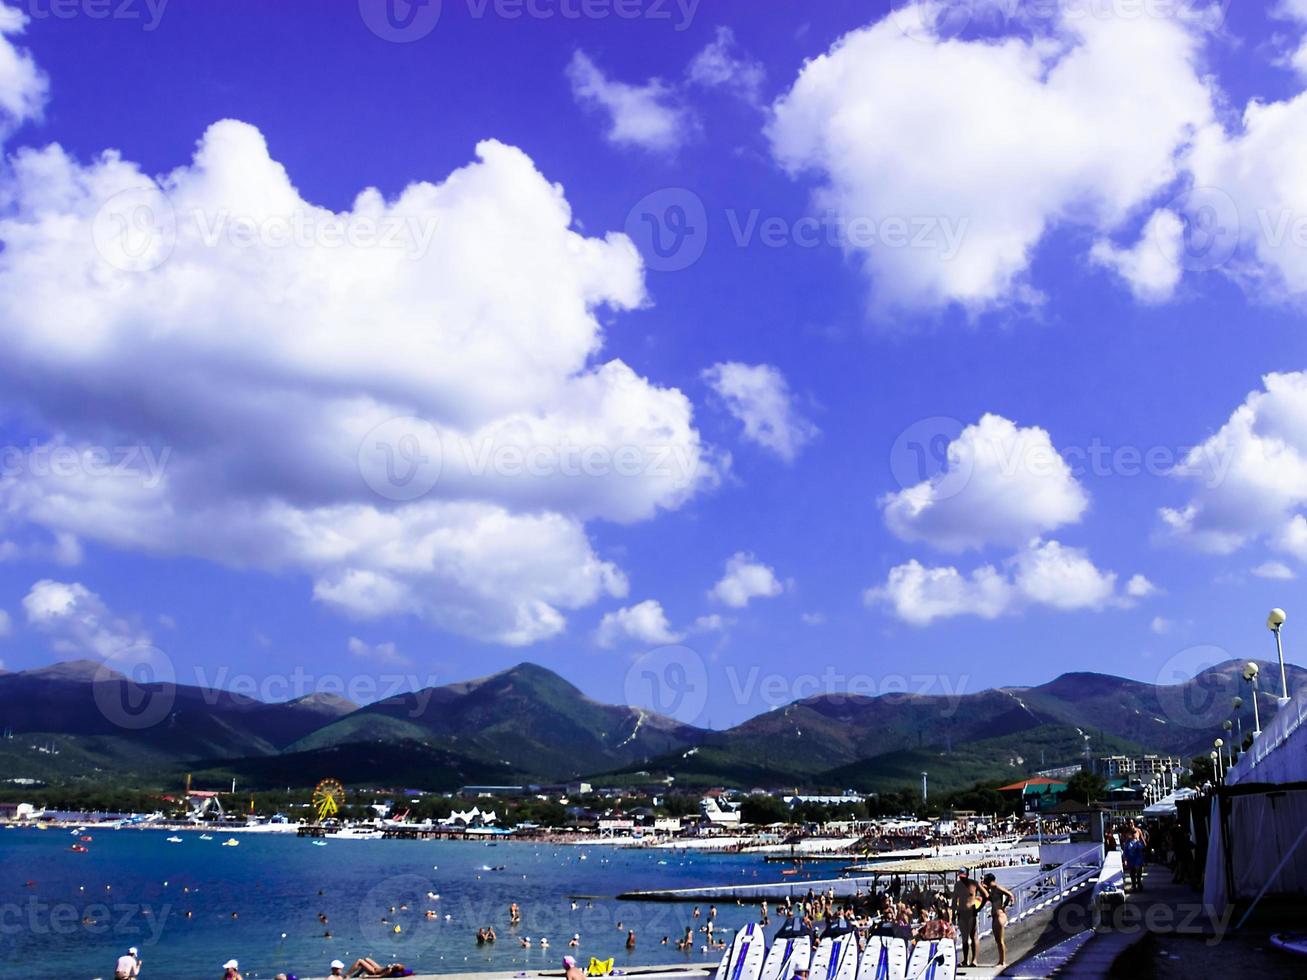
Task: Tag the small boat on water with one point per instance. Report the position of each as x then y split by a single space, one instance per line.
86 838
231 842
319 843
174 840
206 836
79 848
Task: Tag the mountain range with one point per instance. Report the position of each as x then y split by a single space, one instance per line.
77 720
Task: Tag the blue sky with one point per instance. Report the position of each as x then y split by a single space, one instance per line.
1081 316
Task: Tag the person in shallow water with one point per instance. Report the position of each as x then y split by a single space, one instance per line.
128 966
231 971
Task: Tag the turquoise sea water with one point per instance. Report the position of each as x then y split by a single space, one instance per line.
67 916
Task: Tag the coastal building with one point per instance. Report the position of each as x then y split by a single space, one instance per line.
1036 794
848 796
719 811
17 811
506 791
1145 768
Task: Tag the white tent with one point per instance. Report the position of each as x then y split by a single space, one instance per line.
1258 838
1165 807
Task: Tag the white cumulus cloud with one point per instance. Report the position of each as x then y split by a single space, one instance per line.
720 66
1045 573
1153 267
380 653
1078 122
268 359
1139 587
1248 480
759 396
23 87
645 622
648 116
1003 484
745 579
1273 570
78 622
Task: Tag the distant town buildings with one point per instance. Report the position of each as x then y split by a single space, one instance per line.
1150 776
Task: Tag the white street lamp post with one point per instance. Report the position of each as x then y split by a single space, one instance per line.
1229 749
1250 675
1274 620
1238 718
923 787
1220 762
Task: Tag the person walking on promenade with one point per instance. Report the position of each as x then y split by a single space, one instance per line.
999 899
1132 859
968 896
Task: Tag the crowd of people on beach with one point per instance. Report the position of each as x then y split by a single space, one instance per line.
904 911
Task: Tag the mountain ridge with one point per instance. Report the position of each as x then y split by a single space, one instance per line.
530 724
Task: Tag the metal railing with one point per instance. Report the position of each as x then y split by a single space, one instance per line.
1047 887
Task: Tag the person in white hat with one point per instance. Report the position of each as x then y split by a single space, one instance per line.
128 966
232 971
337 968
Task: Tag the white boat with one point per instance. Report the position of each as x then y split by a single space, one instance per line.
836 957
230 842
743 960
206 836
788 953
933 960
885 958
319 843
174 840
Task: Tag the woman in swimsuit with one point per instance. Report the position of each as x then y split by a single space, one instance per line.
999 899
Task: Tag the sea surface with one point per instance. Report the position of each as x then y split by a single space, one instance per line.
191 906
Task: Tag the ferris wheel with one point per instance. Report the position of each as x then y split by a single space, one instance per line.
328 796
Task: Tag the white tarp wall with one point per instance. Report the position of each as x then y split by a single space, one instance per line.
1263 827
1279 754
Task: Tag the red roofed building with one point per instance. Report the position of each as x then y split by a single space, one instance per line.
1036 793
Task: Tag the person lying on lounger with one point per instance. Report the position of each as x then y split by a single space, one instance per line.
367 967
